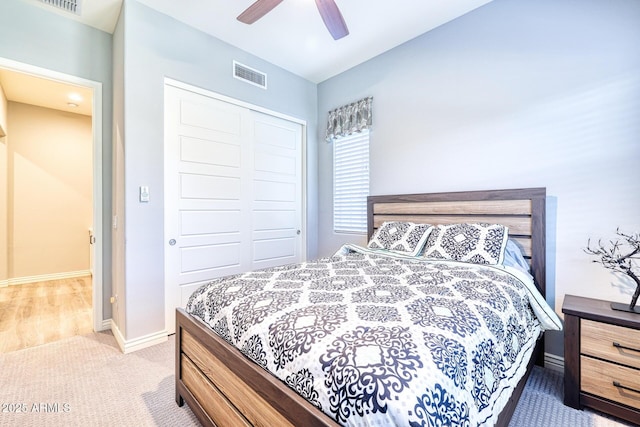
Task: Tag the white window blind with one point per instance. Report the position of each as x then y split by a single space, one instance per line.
350 182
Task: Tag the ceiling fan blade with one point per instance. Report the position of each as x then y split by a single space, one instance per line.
257 10
332 18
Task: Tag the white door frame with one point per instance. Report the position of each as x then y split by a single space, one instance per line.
96 126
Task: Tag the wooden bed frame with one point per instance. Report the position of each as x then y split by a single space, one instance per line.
225 388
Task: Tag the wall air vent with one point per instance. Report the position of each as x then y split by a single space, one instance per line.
71 6
249 75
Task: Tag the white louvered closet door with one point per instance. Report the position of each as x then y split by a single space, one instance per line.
233 192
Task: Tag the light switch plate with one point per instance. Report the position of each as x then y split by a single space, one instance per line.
144 193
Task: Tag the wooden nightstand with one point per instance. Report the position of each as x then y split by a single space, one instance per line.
601 358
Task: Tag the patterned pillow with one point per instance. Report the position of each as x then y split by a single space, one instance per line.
475 243
406 238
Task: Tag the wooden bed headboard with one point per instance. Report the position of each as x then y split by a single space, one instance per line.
522 210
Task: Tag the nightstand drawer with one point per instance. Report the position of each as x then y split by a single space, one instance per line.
598 378
615 343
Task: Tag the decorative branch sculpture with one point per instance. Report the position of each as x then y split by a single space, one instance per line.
613 258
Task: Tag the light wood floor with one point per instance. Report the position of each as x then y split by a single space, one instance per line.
37 313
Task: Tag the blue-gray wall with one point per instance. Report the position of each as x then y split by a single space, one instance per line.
157 46
517 93
34 36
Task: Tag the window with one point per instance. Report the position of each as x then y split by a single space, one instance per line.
350 183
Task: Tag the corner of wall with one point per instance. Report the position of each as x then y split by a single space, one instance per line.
3 113
4 190
137 343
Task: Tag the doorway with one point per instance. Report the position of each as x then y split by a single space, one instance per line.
94 231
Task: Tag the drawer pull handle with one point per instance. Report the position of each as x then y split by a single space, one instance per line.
618 345
617 384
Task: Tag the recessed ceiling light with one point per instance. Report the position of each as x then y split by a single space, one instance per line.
74 97
72 104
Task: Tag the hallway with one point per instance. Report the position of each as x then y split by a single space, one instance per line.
37 313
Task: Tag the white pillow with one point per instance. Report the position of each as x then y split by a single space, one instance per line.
477 243
405 238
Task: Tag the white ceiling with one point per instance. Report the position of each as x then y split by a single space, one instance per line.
291 36
29 89
294 37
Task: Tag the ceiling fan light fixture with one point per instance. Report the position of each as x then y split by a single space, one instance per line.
328 9
332 18
257 10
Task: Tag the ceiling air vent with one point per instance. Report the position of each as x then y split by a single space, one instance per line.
249 75
71 6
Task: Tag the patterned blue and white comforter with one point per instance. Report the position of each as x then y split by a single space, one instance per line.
377 339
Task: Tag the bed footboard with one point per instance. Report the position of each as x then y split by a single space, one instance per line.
222 387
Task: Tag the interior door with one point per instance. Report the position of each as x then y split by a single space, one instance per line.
233 192
277 191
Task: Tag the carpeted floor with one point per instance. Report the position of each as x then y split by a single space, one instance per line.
541 405
87 381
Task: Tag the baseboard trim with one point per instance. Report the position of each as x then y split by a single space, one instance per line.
106 325
45 277
137 343
554 362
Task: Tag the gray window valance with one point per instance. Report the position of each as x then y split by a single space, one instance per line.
345 120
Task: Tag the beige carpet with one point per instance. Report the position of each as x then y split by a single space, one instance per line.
86 381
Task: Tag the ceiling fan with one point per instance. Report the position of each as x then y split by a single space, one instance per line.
328 9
